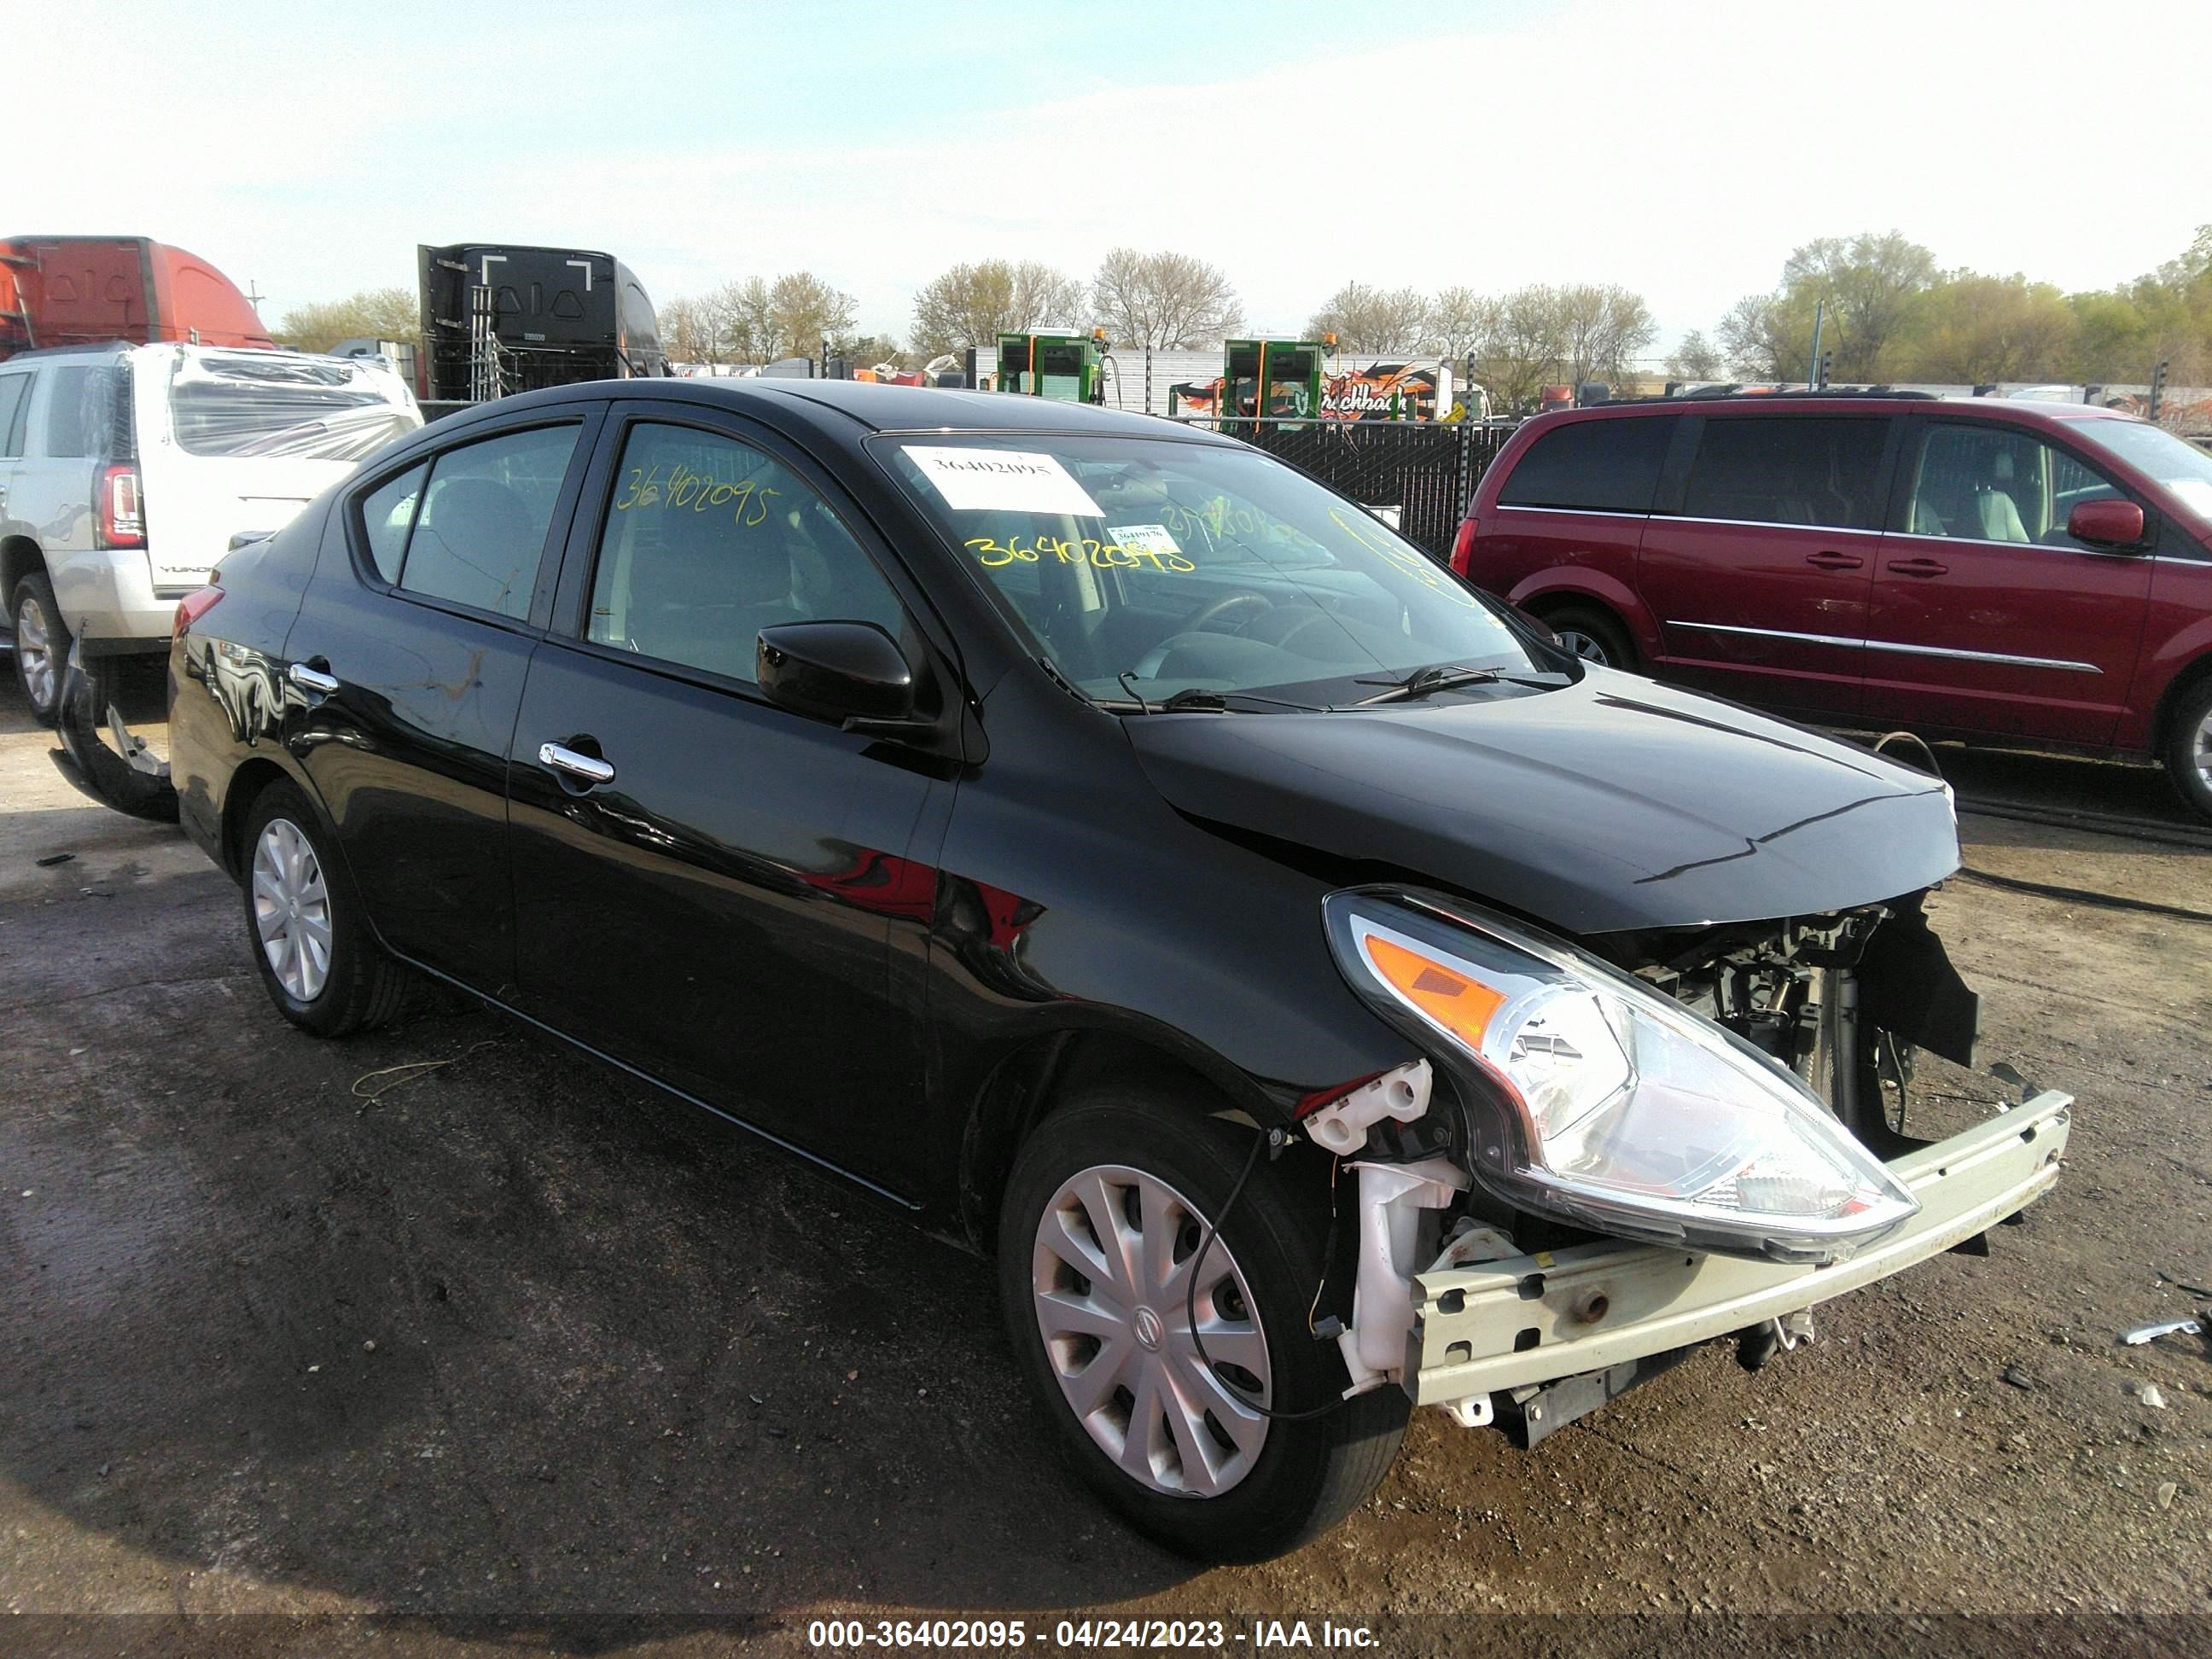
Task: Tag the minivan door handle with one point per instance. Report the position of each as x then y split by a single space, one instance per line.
1827 560
311 679
1917 567
585 768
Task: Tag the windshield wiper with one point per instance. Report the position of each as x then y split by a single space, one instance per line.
1197 699
1436 677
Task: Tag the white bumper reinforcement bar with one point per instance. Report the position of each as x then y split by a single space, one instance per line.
1554 1314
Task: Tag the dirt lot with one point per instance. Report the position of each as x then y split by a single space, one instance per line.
508 1352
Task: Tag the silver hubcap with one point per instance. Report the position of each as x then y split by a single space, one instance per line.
2204 750
292 909
34 652
1584 647
1109 1276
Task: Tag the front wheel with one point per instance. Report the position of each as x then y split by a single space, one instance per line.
2189 748
1593 634
1103 1218
317 961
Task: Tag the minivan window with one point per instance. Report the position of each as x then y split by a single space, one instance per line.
2184 468
1599 467
14 394
707 540
480 530
1808 470
1998 484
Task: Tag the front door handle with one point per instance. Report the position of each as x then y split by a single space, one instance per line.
311 679
1917 567
1834 561
585 768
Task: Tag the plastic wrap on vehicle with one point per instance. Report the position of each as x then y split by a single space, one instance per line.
262 404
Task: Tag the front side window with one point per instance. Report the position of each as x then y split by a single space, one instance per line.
1808 470
479 530
1994 483
708 540
2184 468
1598 466
1142 567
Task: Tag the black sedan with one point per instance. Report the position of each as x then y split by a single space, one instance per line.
1324 993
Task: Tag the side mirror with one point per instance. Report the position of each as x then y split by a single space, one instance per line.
2107 523
850 673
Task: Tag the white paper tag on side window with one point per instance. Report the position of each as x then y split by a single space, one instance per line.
1144 539
1005 480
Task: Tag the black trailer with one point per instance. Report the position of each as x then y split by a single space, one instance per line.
498 319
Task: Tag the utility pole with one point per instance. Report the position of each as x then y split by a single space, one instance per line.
1813 368
254 296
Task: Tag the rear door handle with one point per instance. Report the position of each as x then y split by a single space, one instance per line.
311 679
1917 567
1835 561
586 768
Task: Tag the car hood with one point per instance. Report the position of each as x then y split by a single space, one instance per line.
1607 804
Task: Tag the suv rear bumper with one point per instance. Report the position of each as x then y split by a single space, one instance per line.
108 600
1537 1318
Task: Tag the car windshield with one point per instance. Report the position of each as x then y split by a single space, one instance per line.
1144 568
2184 468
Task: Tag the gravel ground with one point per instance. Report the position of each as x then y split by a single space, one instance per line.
303 1355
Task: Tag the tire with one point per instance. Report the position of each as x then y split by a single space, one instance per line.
2189 748
42 645
289 862
1270 1486
1593 635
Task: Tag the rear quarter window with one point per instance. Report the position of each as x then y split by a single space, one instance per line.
1598 466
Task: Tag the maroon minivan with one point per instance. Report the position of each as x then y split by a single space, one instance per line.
1979 569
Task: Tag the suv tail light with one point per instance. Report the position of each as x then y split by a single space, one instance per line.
122 518
194 605
1462 553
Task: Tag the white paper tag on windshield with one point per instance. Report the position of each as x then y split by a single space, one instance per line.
1144 539
1007 480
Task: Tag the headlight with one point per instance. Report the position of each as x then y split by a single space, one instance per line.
1595 1098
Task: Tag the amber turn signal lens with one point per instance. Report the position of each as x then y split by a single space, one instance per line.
1461 1005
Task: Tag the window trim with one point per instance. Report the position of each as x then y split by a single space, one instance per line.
585 417
569 624
16 435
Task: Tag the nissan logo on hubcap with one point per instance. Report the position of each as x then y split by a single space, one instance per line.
1150 1331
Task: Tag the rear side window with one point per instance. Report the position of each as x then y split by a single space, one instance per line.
15 397
80 410
255 403
1789 470
1599 467
480 529
388 514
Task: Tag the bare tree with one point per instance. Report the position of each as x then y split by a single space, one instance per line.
1759 337
1168 301
1460 320
1523 351
1364 318
687 331
804 311
1694 358
1600 330
971 305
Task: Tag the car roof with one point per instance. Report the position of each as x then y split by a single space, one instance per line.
874 407
1878 401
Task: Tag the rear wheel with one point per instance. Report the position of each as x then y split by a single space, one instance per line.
2189 748
42 644
1593 634
317 961
1102 1219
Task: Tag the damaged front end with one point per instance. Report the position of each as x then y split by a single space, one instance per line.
1615 1151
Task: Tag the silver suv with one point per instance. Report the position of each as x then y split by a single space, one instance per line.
125 472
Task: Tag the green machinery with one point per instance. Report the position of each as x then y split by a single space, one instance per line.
1281 379
1062 365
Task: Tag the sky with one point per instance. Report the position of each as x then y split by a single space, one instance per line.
1678 149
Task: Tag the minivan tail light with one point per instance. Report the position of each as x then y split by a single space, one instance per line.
1462 553
194 605
122 518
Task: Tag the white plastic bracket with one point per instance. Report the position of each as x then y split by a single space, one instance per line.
1341 1126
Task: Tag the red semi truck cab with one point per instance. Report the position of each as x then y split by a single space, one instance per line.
81 290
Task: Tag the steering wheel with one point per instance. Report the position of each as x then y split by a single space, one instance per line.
1244 598
1321 619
